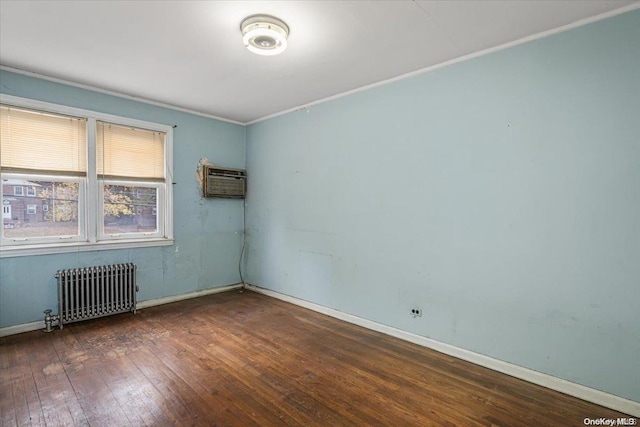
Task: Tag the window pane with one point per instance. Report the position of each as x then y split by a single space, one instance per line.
25 216
130 209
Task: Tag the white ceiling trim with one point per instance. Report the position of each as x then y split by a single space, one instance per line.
467 57
118 94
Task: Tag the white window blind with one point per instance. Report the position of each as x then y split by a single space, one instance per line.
130 153
31 140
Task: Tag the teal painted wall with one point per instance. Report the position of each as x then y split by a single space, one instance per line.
501 195
208 232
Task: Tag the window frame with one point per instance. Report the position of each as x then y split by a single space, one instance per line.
159 202
15 190
92 202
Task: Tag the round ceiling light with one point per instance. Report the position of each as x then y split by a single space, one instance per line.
264 34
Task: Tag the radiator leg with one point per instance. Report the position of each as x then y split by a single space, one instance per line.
49 319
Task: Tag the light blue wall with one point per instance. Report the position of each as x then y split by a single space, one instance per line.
208 232
501 195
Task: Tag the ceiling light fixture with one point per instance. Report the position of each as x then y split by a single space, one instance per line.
264 34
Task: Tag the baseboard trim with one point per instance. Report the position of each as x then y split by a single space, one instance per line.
567 387
34 326
175 298
24 327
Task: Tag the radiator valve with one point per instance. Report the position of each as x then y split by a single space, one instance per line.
49 319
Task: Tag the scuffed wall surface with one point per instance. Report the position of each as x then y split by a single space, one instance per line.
199 175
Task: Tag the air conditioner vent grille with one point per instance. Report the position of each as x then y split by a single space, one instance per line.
225 183
228 172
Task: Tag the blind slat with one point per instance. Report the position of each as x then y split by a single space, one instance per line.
126 152
34 140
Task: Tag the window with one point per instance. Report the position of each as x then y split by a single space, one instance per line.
101 181
131 177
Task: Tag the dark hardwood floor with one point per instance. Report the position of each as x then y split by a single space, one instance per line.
243 359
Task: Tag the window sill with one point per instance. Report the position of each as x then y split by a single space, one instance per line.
57 248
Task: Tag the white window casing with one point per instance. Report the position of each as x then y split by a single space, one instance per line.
91 185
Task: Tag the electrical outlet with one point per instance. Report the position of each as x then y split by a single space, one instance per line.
416 312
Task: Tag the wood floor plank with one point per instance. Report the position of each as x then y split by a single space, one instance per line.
26 401
240 395
202 373
185 376
332 380
247 364
276 370
93 395
180 399
36 416
365 382
244 359
20 403
7 410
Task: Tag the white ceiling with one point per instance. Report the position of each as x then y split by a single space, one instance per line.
189 54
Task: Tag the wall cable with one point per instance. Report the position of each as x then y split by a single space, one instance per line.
244 240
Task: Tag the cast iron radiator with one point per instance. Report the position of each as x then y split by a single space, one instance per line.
87 293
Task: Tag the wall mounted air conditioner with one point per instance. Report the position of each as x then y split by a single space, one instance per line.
225 183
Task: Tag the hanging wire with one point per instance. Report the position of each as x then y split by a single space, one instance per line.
244 240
